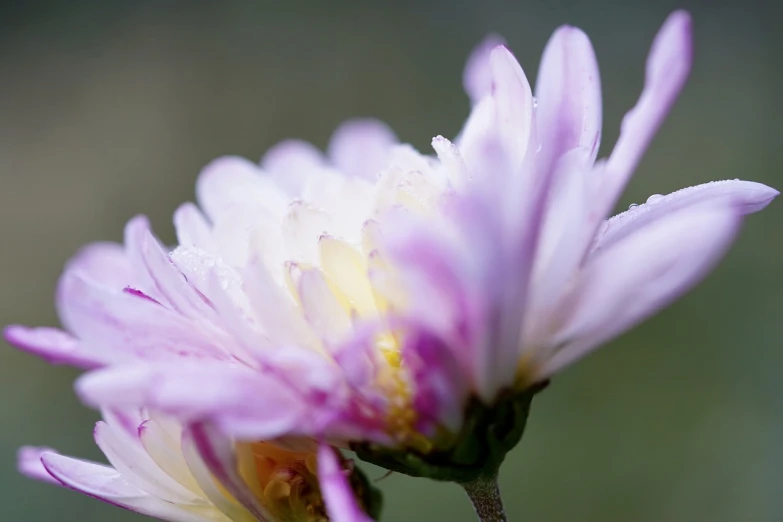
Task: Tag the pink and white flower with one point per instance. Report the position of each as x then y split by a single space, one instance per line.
161 470
370 294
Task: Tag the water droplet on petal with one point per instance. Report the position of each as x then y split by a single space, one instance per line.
654 198
632 205
535 102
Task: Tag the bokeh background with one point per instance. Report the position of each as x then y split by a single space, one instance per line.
108 109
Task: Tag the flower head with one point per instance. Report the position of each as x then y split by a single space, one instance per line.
406 305
197 475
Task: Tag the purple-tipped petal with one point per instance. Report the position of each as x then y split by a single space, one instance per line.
568 92
53 345
668 66
361 147
641 274
105 483
477 77
341 504
746 197
28 462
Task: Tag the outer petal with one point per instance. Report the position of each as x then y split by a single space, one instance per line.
195 392
105 263
568 91
28 461
124 326
340 502
668 66
107 484
641 274
361 147
746 196
53 345
477 78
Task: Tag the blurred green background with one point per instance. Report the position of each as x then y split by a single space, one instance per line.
108 109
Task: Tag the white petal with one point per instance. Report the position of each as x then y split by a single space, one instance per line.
107 484
130 459
361 147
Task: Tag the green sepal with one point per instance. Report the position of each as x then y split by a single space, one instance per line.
488 433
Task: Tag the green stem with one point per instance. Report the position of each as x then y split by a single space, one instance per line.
485 496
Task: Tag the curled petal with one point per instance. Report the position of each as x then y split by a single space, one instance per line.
340 501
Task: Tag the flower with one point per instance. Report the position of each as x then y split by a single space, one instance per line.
404 305
197 475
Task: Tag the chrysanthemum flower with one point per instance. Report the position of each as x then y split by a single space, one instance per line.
198 475
407 306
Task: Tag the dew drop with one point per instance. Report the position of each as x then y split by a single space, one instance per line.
632 205
654 198
535 102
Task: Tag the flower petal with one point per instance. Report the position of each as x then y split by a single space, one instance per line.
214 490
338 496
53 345
477 78
105 483
28 462
361 147
233 181
746 196
192 228
639 275
219 456
198 391
668 66
568 91
291 162
129 458
122 326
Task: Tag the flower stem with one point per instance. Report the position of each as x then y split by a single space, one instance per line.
485 496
